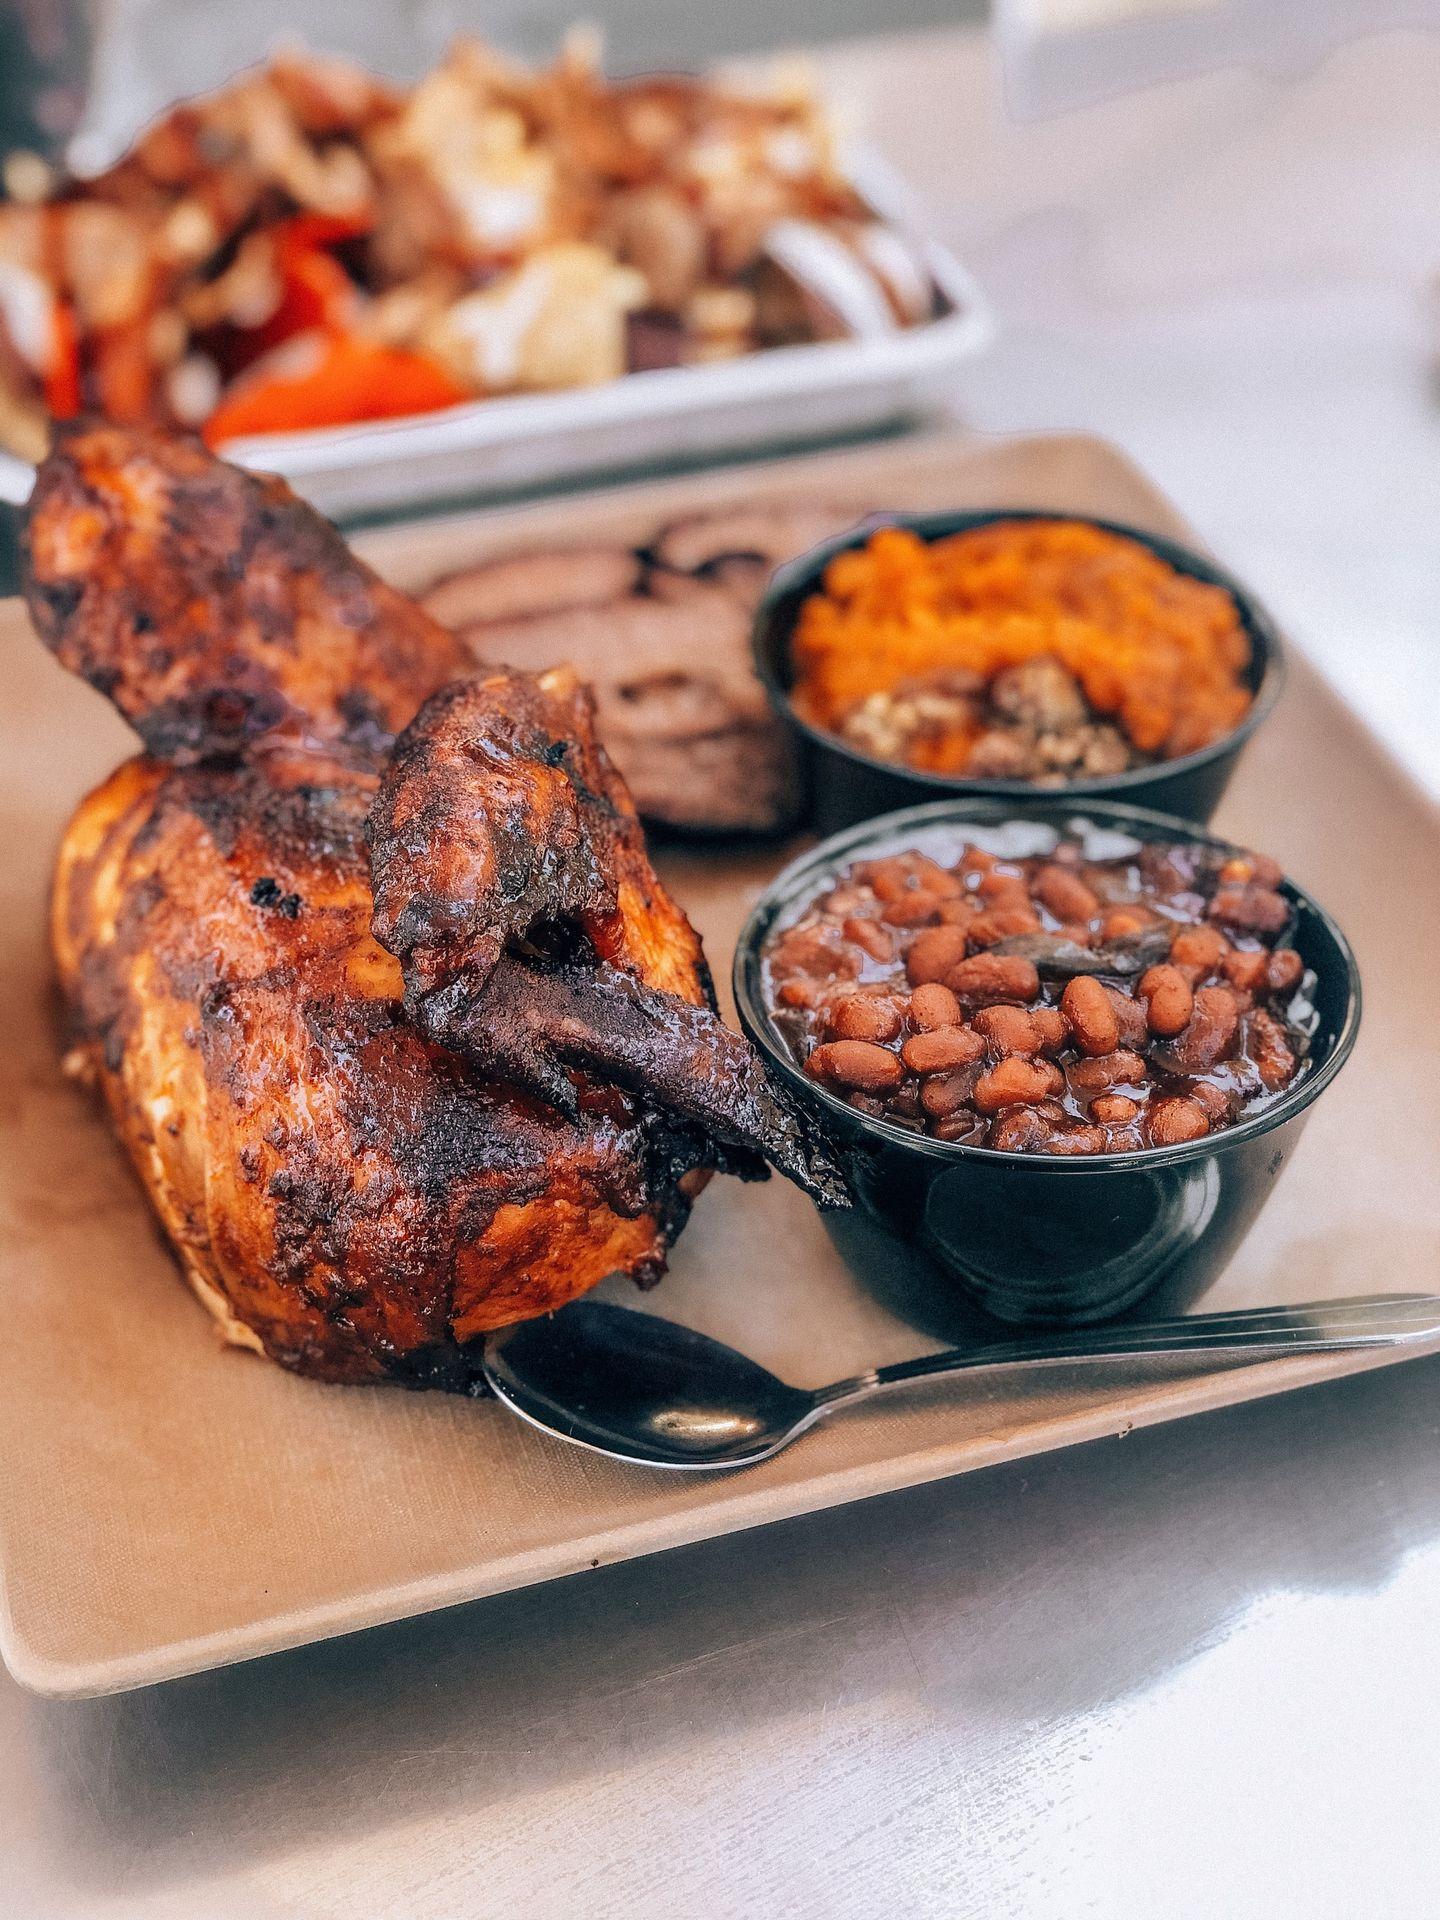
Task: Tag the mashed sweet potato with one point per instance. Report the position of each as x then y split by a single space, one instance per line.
1159 653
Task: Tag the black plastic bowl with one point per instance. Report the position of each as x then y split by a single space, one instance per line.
1033 1238
846 785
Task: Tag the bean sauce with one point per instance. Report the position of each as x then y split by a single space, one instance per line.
1051 1003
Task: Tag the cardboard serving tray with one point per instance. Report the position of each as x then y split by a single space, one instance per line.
167 1504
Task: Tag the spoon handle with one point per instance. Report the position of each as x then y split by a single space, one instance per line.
1311 1326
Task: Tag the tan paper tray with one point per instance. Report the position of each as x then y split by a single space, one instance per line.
167 1505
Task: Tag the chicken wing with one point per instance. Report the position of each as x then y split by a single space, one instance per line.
215 609
511 880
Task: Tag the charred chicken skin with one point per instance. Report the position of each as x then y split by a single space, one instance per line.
403 1034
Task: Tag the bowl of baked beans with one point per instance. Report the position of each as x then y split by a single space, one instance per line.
1067 1053
1013 655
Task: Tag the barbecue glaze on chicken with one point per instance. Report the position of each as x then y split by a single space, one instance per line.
404 1036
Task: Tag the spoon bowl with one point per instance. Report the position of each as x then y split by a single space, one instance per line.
643 1389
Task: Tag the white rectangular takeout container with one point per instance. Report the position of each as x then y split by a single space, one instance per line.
167 1505
671 415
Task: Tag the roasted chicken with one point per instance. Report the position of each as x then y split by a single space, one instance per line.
404 1036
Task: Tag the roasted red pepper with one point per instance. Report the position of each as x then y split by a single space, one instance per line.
351 380
316 289
62 377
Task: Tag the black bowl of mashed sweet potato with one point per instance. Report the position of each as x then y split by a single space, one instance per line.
1009 654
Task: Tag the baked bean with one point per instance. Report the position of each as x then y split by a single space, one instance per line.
1258 868
860 1017
1064 893
1168 1122
1021 1130
1076 1140
1284 971
999 888
937 879
933 1005
945 1093
1130 1017
1209 1034
994 976
995 924
1008 1029
1245 967
820 951
1216 1102
1106 1070
1202 947
893 994
1121 922
1012 1082
934 953
1124 1140
1251 909
845 901
1270 1049
1169 1000
860 1065
1092 1019
1050 1028
942 1049
917 908
871 938
890 879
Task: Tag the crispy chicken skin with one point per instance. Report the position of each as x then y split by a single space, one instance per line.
215 609
377 1116
500 814
345 1194
501 837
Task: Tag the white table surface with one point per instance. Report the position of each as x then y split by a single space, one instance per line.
1191 1673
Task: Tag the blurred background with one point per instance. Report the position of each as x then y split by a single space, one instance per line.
1208 229
102 67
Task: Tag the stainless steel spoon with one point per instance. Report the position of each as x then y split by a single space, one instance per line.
638 1388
